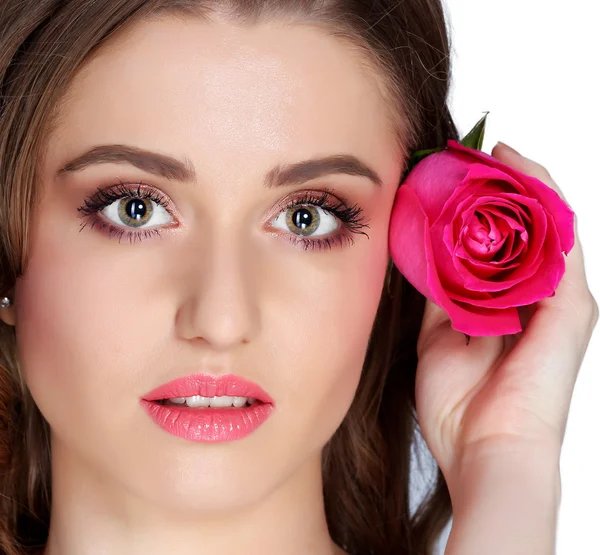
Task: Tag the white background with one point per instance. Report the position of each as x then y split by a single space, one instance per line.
534 64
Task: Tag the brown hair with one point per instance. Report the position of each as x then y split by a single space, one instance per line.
366 463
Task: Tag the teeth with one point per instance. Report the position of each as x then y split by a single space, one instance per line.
239 401
220 402
197 401
217 402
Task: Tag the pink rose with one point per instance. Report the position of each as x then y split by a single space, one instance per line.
479 238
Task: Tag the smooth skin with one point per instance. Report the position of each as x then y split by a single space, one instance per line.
100 323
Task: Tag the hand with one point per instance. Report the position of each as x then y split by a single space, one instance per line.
498 394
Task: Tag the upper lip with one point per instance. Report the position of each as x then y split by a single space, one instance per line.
208 386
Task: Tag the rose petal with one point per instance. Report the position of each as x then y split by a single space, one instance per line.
562 214
471 189
481 236
470 319
528 264
503 254
495 229
510 215
501 235
482 173
434 179
506 250
408 227
486 323
541 285
411 251
461 275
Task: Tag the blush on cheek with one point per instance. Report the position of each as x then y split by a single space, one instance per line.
72 335
334 334
55 333
359 294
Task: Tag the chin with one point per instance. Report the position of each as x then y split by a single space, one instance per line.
206 479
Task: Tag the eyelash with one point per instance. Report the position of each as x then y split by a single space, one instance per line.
351 217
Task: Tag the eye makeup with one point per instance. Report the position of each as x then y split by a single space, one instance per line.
142 197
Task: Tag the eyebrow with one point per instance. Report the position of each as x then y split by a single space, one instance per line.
169 167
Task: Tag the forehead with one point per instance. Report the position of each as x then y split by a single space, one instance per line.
222 92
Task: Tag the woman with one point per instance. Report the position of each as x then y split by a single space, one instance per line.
204 346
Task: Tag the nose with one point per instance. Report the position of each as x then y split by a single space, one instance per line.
221 307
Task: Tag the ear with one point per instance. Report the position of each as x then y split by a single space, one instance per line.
8 315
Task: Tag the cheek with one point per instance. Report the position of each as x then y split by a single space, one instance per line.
79 331
326 339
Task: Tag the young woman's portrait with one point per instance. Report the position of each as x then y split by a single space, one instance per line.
246 258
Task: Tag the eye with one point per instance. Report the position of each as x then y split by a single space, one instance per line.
137 212
307 221
317 214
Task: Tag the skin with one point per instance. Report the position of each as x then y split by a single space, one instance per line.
102 322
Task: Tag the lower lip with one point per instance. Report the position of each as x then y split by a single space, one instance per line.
210 425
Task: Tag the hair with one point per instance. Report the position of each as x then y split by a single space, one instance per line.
366 464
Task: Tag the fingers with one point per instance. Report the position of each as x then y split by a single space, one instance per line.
435 320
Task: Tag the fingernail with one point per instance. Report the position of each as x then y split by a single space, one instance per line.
510 149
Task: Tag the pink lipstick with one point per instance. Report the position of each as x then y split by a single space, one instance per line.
206 408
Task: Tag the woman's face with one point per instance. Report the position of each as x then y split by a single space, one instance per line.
208 272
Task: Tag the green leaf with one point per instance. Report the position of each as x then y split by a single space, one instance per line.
474 138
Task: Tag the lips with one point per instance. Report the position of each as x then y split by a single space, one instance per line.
208 424
209 386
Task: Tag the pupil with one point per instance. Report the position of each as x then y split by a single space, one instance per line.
302 218
135 209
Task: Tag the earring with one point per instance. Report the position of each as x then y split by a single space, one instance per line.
5 302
